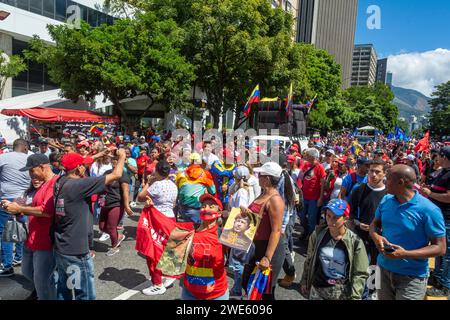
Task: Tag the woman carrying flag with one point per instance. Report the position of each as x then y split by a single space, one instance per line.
269 250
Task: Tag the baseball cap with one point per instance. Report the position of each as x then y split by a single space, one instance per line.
294 147
291 159
339 207
84 143
379 151
72 160
207 196
362 161
242 172
445 152
269 169
410 157
35 160
43 140
2 140
126 138
156 138
330 151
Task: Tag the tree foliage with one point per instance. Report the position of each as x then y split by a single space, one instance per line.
10 66
440 110
123 60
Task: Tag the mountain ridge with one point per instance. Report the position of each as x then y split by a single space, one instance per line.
410 102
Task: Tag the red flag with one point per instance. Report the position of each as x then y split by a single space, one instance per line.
423 144
157 234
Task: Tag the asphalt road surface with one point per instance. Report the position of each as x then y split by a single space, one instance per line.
124 275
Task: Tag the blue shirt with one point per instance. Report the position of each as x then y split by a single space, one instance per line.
410 225
349 186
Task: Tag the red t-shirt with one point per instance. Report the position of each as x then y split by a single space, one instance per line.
141 163
311 181
150 166
39 227
205 276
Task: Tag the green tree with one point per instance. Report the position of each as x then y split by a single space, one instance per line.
10 66
123 60
440 110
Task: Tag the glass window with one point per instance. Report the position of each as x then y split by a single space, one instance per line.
23 4
102 18
92 17
60 10
36 6
110 20
49 8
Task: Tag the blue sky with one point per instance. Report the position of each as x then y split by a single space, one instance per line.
406 25
414 36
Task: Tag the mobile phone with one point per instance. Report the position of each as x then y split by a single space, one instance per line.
388 248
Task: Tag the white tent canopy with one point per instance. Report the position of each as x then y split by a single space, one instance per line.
367 128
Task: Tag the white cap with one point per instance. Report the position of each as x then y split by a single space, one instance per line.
410 157
331 151
242 172
270 169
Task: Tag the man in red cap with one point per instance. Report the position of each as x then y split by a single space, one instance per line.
73 225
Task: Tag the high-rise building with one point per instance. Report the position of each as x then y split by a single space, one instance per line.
382 70
330 25
389 79
364 65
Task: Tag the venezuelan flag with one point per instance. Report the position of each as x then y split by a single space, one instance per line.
310 103
254 97
259 283
201 277
97 129
289 101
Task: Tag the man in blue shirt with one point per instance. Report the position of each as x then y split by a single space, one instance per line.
412 230
354 180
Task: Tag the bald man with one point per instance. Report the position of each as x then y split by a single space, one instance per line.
412 230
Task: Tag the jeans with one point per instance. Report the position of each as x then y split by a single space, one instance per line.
188 214
238 269
395 286
186 295
442 264
75 277
308 216
7 248
39 268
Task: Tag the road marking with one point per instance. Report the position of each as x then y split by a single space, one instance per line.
127 295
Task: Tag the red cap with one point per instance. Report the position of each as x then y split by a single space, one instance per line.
207 196
294 147
291 158
72 160
83 143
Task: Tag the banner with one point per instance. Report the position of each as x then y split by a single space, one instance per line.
165 241
85 127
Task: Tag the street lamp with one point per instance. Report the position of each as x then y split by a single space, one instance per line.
4 15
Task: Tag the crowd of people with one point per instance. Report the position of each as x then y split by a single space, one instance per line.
378 204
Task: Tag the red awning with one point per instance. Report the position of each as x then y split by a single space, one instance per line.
62 115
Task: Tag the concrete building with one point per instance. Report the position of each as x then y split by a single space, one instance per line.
364 65
330 25
382 70
289 6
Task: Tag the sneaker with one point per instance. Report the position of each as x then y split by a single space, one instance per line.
120 239
167 282
112 252
373 295
133 204
293 256
7 272
16 263
104 237
154 290
287 281
438 292
92 254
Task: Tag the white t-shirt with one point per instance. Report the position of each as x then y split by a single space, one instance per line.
326 166
243 197
210 159
98 170
164 195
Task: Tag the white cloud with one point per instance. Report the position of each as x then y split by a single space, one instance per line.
421 71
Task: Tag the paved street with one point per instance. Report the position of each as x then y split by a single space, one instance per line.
123 275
